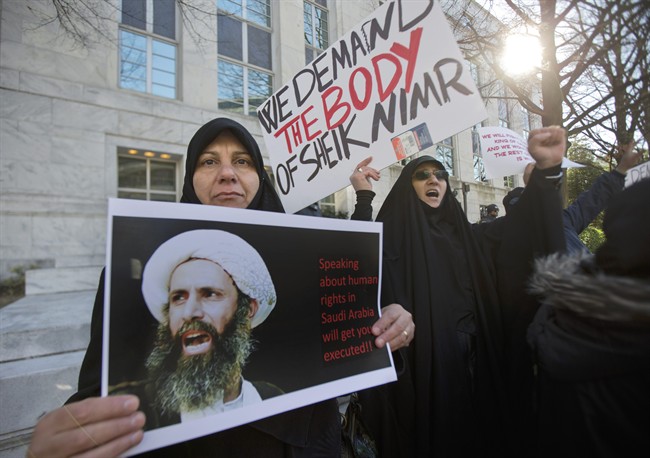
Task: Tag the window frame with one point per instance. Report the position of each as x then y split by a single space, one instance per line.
477 159
151 38
449 165
328 204
525 122
312 47
503 109
247 109
147 191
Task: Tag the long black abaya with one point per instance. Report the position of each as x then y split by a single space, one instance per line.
452 400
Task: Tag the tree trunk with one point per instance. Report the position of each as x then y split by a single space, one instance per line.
552 96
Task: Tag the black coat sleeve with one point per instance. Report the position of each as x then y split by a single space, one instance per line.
363 206
90 375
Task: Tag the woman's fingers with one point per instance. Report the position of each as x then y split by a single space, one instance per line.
81 426
122 438
395 327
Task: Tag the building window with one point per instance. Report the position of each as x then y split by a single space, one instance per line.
147 175
328 205
476 75
504 121
479 167
316 28
245 77
504 118
525 117
148 47
445 154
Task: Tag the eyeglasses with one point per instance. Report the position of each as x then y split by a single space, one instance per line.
422 175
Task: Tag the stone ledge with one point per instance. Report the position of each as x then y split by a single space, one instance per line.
63 279
31 388
14 444
42 325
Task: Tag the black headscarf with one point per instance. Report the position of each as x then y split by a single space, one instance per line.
266 197
433 267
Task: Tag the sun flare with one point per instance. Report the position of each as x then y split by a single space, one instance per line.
521 54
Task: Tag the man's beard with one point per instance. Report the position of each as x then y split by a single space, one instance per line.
195 382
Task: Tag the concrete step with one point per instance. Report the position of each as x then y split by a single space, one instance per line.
61 279
30 388
77 261
43 339
15 444
46 324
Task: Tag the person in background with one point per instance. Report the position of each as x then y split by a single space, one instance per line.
451 399
223 167
588 205
591 339
492 213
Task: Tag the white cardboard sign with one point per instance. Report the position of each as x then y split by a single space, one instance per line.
392 87
505 152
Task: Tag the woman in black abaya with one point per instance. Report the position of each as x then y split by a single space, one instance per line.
451 399
305 431
224 167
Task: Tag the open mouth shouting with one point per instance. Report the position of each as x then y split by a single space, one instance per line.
196 342
431 194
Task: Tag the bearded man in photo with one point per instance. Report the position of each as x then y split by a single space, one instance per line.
207 289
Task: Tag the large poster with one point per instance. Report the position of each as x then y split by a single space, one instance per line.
273 310
392 87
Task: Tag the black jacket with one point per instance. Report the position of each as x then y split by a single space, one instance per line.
591 340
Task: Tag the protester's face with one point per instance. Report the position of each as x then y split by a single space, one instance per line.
200 290
225 173
429 188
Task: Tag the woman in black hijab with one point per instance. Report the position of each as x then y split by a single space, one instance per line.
451 399
265 199
224 167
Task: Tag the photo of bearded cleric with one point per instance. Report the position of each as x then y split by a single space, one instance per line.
207 289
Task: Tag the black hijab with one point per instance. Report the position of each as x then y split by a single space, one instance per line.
433 267
266 197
